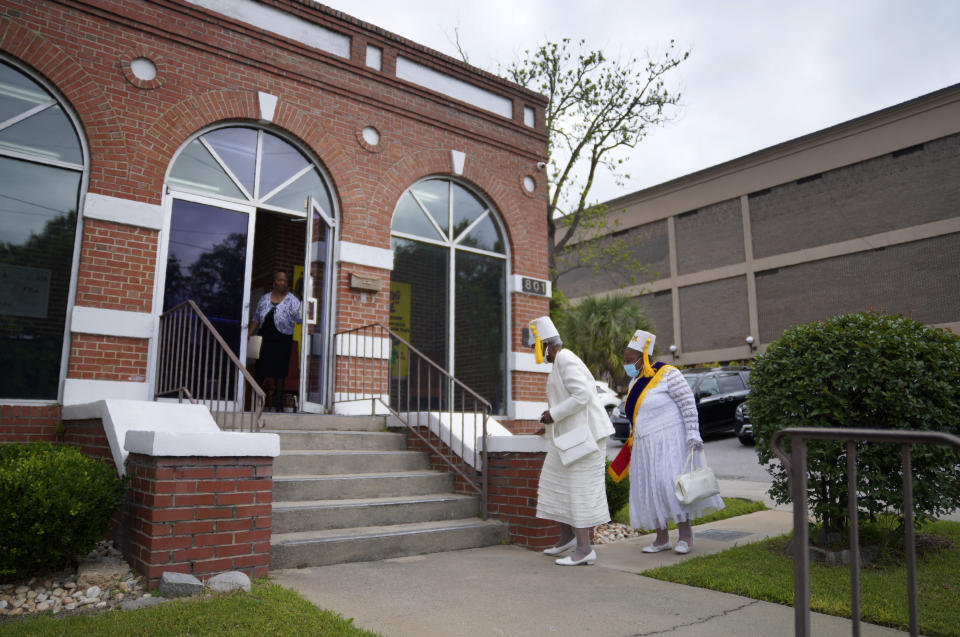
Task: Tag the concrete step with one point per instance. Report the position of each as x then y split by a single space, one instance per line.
302 462
323 422
290 517
360 485
363 544
341 440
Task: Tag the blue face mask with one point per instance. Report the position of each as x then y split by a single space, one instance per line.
631 370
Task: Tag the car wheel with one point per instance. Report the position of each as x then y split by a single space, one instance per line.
746 441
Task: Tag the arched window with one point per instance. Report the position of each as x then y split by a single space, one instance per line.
253 166
42 163
448 286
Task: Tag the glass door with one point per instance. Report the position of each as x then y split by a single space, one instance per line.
207 261
317 303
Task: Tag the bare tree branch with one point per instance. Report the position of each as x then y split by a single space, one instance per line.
597 107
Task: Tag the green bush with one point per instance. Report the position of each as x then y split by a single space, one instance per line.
862 370
618 494
57 503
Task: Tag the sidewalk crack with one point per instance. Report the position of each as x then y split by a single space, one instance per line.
694 623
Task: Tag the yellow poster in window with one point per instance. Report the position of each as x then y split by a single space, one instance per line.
297 289
399 324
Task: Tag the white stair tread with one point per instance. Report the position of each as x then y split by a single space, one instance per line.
359 476
361 502
370 532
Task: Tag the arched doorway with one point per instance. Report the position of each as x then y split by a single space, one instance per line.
42 174
243 204
449 275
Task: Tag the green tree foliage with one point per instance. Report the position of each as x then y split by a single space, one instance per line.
862 370
57 503
599 328
598 109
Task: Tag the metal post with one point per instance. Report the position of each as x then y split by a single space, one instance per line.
801 538
854 536
908 540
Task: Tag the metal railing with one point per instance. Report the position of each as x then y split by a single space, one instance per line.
194 361
796 465
376 365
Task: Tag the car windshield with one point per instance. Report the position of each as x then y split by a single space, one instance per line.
691 380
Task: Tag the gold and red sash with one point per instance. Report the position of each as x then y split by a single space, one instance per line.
620 466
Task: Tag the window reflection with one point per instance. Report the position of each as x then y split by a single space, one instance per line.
478 348
237 147
422 270
38 220
206 262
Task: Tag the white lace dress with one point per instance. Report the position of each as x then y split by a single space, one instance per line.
666 420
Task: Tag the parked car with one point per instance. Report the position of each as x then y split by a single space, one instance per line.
718 391
620 421
608 398
744 429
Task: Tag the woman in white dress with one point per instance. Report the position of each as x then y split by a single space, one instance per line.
665 429
573 494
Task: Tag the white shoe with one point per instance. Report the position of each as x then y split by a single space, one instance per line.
682 548
589 558
557 550
656 548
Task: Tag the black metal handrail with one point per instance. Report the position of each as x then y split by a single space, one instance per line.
376 364
796 465
194 361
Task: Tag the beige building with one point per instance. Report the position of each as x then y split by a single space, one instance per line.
862 215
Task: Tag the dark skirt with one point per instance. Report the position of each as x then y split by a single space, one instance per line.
274 359
275 351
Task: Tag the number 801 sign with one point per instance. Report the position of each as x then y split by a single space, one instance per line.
534 286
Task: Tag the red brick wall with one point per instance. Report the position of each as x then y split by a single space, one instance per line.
29 423
108 358
512 497
117 266
90 437
200 516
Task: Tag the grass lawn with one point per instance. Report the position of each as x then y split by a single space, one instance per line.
267 610
763 570
732 508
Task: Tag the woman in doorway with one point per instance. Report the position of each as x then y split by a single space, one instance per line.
274 318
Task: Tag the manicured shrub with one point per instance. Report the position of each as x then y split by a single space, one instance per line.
862 370
57 503
618 493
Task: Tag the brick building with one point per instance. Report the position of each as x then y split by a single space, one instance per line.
862 215
155 151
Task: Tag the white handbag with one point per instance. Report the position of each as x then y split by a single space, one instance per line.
695 484
575 444
253 347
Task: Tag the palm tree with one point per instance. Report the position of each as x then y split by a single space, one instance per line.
598 329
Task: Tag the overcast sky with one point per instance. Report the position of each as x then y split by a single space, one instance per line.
760 72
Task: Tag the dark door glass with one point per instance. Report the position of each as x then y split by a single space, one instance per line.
206 263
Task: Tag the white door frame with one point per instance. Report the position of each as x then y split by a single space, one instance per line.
312 315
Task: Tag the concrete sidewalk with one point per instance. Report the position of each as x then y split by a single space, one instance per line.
507 590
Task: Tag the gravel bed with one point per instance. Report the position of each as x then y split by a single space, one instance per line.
101 582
